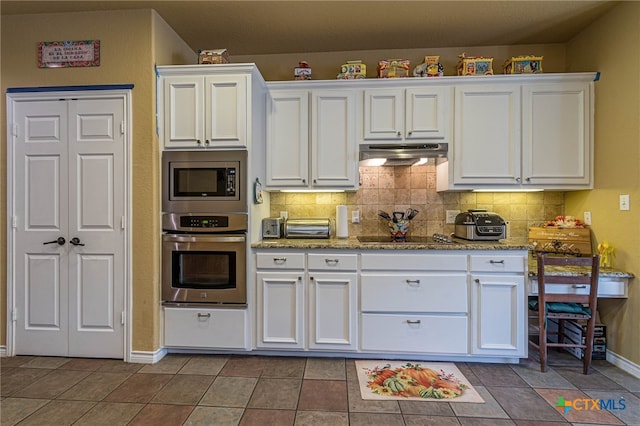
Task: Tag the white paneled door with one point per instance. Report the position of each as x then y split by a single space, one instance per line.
68 226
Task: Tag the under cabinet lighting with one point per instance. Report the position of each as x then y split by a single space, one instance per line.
373 162
311 190
507 190
421 162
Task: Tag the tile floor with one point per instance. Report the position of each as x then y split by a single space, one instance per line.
259 390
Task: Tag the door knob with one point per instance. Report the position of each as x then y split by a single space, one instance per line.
76 241
60 241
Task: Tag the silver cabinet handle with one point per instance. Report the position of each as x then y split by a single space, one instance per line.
493 262
279 260
201 315
410 282
518 179
579 286
413 321
331 262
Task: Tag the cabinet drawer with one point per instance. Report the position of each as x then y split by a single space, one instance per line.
333 262
497 263
607 287
418 262
414 293
280 260
415 333
205 328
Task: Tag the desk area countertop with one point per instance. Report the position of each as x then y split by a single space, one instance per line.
573 270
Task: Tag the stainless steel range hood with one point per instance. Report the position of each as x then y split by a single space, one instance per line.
401 154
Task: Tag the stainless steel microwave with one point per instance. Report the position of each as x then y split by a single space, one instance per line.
204 181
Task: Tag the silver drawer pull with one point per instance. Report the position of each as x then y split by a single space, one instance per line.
332 262
279 260
496 261
413 321
414 282
201 315
579 286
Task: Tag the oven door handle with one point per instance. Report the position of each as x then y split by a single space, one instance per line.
204 238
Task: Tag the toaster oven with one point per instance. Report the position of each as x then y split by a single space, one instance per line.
480 225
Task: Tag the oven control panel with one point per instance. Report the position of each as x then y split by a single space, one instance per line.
204 221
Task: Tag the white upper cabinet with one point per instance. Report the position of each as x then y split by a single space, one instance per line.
288 139
334 152
311 138
556 134
522 132
203 106
486 148
399 114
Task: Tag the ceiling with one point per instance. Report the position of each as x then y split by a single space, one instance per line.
271 27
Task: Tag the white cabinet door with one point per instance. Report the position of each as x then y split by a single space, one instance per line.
556 134
280 310
183 112
487 135
398 114
428 112
498 315
333 311
384 114
334 152
201 112
226 105
288 139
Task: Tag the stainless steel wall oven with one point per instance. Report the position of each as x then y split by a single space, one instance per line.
204 258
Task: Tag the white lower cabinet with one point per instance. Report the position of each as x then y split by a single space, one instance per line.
300 307
406 332
414 303
210 328
498 305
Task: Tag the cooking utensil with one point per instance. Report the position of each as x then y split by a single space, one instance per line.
384 215
411 213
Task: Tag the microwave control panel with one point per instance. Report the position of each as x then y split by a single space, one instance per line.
231 181
204 221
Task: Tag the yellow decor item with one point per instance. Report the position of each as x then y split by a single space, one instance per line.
523 65
393 68
352 70
474 65
607 254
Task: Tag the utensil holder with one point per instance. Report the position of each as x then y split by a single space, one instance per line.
398 230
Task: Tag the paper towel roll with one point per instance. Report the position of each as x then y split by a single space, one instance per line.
342 227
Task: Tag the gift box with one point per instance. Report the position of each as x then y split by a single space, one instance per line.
523 65
475 65
393 68
352 70
216 56
430 67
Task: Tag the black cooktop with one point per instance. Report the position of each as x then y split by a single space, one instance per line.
435 239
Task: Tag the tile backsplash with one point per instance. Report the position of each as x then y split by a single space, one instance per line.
401 187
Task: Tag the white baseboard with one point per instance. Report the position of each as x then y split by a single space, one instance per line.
623 364
3 351
146 357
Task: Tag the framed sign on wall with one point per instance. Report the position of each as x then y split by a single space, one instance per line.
64 54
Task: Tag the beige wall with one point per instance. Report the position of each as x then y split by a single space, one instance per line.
612 46
127 56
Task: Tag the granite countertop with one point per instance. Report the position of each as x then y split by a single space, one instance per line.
352 243
576 270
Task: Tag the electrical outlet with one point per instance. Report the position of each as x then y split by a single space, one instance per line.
355 216
451 216
587 218
624 202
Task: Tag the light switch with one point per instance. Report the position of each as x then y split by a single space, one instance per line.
624 202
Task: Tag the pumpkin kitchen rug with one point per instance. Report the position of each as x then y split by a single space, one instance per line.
419 381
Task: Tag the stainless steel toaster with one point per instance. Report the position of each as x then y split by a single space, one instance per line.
272 227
